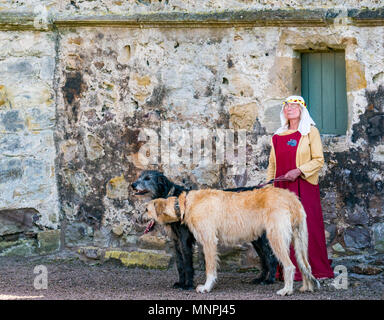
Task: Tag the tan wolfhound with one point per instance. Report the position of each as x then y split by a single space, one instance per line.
231 217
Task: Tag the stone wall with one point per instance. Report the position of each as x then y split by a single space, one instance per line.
28 197
80 80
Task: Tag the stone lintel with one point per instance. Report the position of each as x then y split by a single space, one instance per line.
367 17
10 21
251 18
209 19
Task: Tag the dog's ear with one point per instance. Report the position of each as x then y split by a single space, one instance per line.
161 179
163 184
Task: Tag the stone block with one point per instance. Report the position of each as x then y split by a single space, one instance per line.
37 120
231 258
118 230
11 170
358 216
10 121
357 238
78 234
330 233
143 259
378 236
272 110
69 150
366 269
240 86
378 153
283 81
48 241
94 147
141 86
101 237
79 181
148 241
117 188
23 248
338 248
7 244
129 240
27 95
355 75
8 228
243 116
91 252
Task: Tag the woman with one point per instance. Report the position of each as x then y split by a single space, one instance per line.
297 155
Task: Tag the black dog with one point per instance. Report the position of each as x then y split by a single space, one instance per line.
156 185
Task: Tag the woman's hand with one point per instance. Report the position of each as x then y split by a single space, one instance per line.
292 175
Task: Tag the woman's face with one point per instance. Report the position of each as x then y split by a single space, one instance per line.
292 111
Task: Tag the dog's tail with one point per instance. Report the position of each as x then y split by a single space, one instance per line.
300 241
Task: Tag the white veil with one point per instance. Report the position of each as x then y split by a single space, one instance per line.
305 119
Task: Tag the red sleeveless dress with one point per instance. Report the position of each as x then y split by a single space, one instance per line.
309 195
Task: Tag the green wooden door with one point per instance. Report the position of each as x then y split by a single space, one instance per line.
324 90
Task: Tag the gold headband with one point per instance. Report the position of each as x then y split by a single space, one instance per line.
296 101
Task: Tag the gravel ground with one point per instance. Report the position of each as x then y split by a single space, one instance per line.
76 280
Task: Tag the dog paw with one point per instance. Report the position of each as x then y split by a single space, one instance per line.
258 280
284 292
178 285
305 288
188 287
269 281
202 289
263 281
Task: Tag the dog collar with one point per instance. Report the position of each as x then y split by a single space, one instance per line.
171 192
177 208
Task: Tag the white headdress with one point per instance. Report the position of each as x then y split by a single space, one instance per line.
305 119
